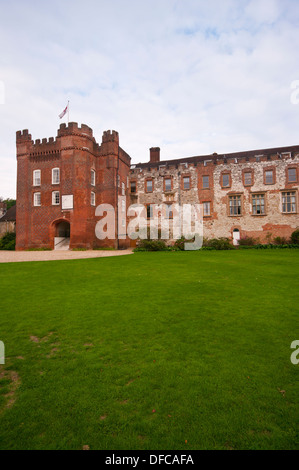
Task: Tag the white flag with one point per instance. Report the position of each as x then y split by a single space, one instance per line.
64 112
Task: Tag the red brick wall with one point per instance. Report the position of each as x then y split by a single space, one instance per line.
75 152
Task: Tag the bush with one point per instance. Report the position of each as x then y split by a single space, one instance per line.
280 241
247 241
295 236
219 244
152 245
180 243
8 242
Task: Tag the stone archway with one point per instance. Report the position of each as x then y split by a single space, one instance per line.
60 234
63 229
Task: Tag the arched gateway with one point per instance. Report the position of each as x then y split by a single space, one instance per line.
61 231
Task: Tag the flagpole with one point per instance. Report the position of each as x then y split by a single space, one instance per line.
68 112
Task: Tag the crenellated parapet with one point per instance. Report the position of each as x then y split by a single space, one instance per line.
110 136
68 136
73 129
23 136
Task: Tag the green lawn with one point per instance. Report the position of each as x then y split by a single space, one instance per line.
180 350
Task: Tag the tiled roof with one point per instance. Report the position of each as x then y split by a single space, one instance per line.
10 215
215 156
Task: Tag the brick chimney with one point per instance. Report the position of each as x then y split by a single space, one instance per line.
154 154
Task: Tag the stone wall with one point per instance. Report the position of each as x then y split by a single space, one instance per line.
220 223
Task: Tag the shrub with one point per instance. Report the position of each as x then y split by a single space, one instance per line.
152 245
180 243
280 241
221 243
247 241
295 236
8 242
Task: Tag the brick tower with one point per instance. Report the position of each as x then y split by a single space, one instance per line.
61 181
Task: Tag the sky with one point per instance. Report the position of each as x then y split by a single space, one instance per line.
192 77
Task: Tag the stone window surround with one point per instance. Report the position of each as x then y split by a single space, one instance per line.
242 204
248 170
35 197
296 201
226 172
291 167
211 208
133 181
92 177
202 186
53 179
145 183
187 175
54 203
273 169
35 178
164 184
253 193
149 210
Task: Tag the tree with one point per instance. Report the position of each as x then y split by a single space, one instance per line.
9 202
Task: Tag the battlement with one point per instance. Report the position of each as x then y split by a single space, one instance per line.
70 136
110 136
51 140
73 128
23 136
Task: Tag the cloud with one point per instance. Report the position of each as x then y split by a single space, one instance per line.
192 77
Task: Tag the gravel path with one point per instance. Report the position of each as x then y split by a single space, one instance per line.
17 256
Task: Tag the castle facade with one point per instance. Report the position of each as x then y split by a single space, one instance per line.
61 181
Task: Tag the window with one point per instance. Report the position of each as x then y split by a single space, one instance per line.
235 205
37 199
149 211
36 177
186 182
269 177
123 189
289 202
169 213
258 204
133 186
225 180
167 183
292 177
93 199
248 178
93 178
205 182
55 198
55 176
149 186
206 208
